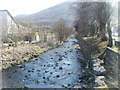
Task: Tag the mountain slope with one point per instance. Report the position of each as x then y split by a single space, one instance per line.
48 16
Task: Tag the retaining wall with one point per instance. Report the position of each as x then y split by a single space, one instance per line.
117 44
111 59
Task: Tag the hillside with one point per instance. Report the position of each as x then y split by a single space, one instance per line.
48 16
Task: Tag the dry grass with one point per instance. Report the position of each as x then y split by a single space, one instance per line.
96 44
87 38
23 53
116 48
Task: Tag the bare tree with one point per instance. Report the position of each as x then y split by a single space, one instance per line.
103 12
61 30
92 21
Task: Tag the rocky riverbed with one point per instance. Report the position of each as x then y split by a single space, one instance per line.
57 68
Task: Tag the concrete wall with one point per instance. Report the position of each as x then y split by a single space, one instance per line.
111 59
117 44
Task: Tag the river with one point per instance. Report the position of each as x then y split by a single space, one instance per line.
57 68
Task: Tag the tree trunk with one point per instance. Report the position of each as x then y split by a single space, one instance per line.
110 44
102 32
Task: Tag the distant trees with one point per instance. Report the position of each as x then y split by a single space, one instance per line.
23 24
92 21
62 30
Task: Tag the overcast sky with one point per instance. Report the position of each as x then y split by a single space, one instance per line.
16 7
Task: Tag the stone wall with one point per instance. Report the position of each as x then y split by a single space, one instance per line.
111 62
98 72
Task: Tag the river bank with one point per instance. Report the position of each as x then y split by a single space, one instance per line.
23 53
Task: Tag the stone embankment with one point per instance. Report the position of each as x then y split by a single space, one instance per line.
106 69
99 73
94 76
111 58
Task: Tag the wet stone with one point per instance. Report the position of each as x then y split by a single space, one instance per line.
10 86
60 68
48 78
34 63
65 53
39 75
40 57
43 77
56 52
21 66
57 76
63 56
38 70
68 84
11 64
26 76
44 81
69 73
35 56
51 72
37 82
30 71
79 81
14 71
46 71
65 86
56 64
60 59
48 65
79 58
9 76
25 87
33 69
77 52
36 59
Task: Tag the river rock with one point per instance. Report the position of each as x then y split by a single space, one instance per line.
99 81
